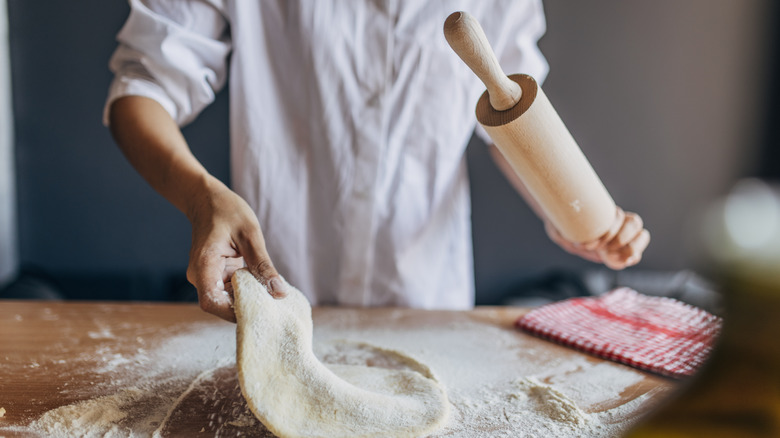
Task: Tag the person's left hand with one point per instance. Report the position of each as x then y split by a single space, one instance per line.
620 247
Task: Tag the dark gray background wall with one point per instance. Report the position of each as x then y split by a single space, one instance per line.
85 217
664 97
9 254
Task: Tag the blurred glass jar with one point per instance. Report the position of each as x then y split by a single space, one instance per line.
737 393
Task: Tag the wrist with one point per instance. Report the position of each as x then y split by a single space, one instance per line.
199 192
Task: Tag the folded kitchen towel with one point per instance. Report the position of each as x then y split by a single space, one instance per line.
657 334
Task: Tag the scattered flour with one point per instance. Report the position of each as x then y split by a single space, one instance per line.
103 416
103 333
500 383
551 403
503 383
588 388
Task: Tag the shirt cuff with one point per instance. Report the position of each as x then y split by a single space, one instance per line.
126 86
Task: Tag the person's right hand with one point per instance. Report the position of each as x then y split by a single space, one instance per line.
226 236
225 231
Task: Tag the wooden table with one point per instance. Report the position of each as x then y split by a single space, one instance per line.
54 354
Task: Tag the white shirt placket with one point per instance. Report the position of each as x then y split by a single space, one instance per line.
370 145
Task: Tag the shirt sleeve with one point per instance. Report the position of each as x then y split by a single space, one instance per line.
517 46
173 51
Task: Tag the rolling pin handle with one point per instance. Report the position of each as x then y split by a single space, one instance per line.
468 40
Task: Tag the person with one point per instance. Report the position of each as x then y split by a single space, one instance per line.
348 128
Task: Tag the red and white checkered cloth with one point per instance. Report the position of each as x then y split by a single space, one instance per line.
657 334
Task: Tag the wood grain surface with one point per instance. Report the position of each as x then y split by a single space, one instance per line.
54 354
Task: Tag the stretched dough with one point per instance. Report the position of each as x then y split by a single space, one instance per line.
294 395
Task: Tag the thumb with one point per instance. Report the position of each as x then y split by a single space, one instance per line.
259 263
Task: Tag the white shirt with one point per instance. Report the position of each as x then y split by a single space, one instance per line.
348 123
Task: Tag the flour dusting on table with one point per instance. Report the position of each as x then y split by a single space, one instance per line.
499 382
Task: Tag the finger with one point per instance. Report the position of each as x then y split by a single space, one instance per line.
602 241
630 229
630 254
218 303
232 264
591 256
205 273
258 262
638 246
615 260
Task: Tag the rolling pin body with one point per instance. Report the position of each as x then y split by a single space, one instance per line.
534 140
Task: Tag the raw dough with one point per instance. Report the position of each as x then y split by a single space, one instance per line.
294 395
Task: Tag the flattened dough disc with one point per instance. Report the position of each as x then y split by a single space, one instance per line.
294 395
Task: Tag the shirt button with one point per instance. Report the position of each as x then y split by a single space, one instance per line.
375 100
362 193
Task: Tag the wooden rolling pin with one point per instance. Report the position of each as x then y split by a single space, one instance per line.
529 133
